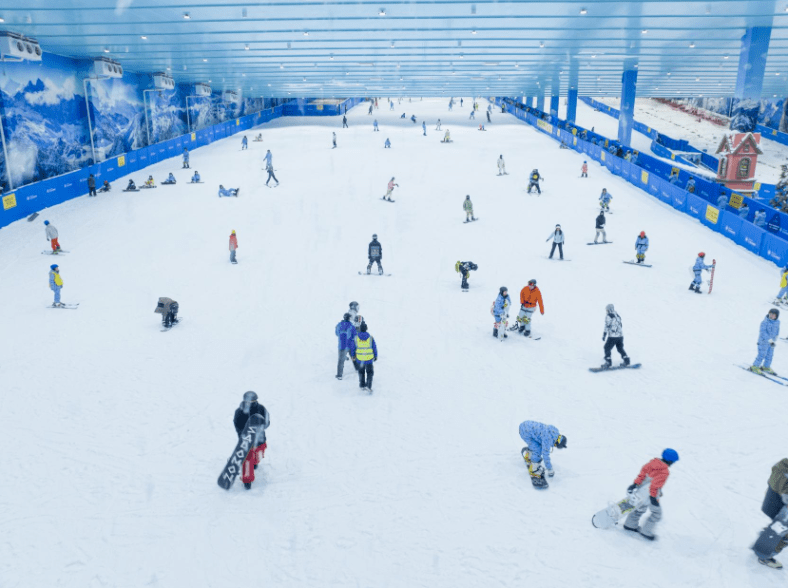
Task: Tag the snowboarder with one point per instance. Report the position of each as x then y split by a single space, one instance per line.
413 118
196 177
364 352
558 241
170 179
465 268
131 186
530 296
375 254
767 339
641 246
488 117
51 233
55 283
105 187
467 206
604 200
248 407
344 122
355 318
270 169
226 192
168 309
783 287
185 157
387 144
584 170
258 138
149 183
614 334
370 107
447 136
233 247
534 181
346 333
390 190
91 185
424 127
655 473
539 442
472 116
501 312
244 143
697 269
438 125
334 140
375 125
775 501
501 166
600 227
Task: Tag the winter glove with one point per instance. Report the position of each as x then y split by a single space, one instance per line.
632 488
654 501
772 342
604 336
551 473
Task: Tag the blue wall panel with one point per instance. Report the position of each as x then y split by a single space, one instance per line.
750 237
696 206
679 199
775 249
730 225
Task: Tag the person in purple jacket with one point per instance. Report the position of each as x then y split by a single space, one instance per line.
346 333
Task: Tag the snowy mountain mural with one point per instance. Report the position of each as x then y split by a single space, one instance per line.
117 115
770 112
167 114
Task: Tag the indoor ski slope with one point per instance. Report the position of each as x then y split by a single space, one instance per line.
114 433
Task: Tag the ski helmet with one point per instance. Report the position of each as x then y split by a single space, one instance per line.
54 266
46 222
561 442
670 456
701 254
610 309
249 398
532 282
585 162
775 312
346 316
502 290
375 236
353 305
642 233
468 197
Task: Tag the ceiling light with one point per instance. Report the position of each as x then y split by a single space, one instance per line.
382 12
281 66
392 44
169 68
306 33
668 73
304 79
692 45
725 57
541 43
583 11
331 56
243 75
462 56
205 60
106 50
777 74
516 65
473 32
2 19
186 15
698 79
143 37
246 47
786 9
644 31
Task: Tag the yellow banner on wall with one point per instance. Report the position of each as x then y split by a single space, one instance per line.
644 177
9 201
121 161
320 107
194 136
545 126
574 141
602 155
736 200
237 122
712 214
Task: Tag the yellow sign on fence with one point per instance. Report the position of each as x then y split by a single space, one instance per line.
712 214
9 201
194 136
644 176
121 161
237 122
602 155
545 126
736 200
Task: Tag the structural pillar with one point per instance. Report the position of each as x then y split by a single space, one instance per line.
540 102
571 105
626 119
749 81
555 95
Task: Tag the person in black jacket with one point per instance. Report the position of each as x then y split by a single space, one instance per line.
344 122
465 268
91 185
600 227
250 406
375 254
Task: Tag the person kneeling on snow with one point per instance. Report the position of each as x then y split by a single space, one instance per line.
227 191
539 442
655 473
168 309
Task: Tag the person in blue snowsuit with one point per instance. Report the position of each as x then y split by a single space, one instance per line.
698 268
185 157
387 144
227 191
244 143
604 199
540 440
375 125
690 187
269 158
196 177
722 201
760 219
641 246
767 339
413 118
346 333
501 311
744 211
170 179
674 176
424 127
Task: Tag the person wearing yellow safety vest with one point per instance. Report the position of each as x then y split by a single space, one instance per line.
783 287
56 284
364 352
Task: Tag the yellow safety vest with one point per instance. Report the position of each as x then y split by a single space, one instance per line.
364 349
784 281
58 279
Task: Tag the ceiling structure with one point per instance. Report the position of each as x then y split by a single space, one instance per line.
416 48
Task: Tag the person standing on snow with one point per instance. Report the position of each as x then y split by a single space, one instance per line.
346 333
375 125
774 506
558 241
783 287
51 233
364 353
539 442
500 312
655 473
604 199
438 125
270 169
55 283
334 140
465 268
467 206
600 227
91 185
530 296
614 332
641 246
387 144
355 318
424 127
248 407
767 339
344 122
697 269
185 158
375 254
501 166
233 247
244 143
390 190
584 170
534 181
269 158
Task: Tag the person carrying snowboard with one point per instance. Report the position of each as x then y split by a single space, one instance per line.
539 442
697 269
604 200
168 309
346 333
249 406
558 241
600 227
233 247
364 352
776 500
500 312
390 190
467 206
501 166
641 246
530 296
465 268
51 233
55 283
655 473
614 333
584 170
534 181
767 339
375 254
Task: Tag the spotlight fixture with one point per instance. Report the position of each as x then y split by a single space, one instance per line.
143 37
583 11
644 31
186 15
246 47
205 60
541 44
281 66
106 50
306 33
692 45
392 44
382 12
473 32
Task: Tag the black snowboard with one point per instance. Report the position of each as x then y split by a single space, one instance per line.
253 429
634 366
137 190
602 243
772 535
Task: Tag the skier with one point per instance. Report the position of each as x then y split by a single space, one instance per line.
51 233
760 218
390 190
500 311
604 200
227 191
641 246
534 181
783 286
105 187
775 501
344 122
375 254
91 185
185 157
250 406
170 179
539 442
424 127
196 177
501 166
438 125
168 309
387 144
584 170
413 118
244 143
55 283
767 339
346 333
465 268
447 136
655 473
690 187
355 318
472 116
530 296
131 186
697 269
467 206
334 140
558 241
600 227
270 169
149 183
375 125
615 336
233 247
365 353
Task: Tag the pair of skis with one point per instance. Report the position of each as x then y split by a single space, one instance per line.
771 377
58 252
65 306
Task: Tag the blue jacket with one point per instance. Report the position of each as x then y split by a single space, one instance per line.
606 197
540 439
245 141
269 158
760 219
744 211
699 265
690 184
641 244
770 329
196 177
673 178
363 337
224 192
498 308
346 333
185 156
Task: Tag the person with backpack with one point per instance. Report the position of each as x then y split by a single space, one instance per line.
775 505
346 334
375 254
465 268
467 206
533 181
233 247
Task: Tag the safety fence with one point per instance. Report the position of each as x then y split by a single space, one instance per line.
648 174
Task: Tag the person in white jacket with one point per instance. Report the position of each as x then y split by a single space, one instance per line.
502 167
558 241
614 334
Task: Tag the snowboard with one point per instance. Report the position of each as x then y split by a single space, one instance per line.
602 243
771 536
175 324
387 200
50 252
168 183
267 186
633 366
470 221
636 263
538 483
610 516
65 306
247 440
137 190
371 274
32 217
196 182
147 187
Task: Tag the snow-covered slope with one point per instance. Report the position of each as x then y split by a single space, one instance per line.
114 433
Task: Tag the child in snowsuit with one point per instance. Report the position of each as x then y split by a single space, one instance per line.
539 441
467 206
558 241
600 227
500 312
149 183
375 125
364 352
584 170
168 309
375 254
51 232
170 179
55 283
244 143
390 190
534 181
774 505
465 268
447 136
131 186
413 118
226 192
387 144
438 125
424 127
346 333
614 333
604 199
697 269
641 246
105 187
248 407
501 166
655 473
767 339
196 178
355 318
185 157
233 246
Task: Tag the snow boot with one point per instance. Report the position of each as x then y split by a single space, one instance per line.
755 369
768 370
608 364
697 290
633 529
338 377
692 286
248 485
771 562
522 328
626 362
527 334
536 469
495 333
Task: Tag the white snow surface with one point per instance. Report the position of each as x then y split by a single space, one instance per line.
114 433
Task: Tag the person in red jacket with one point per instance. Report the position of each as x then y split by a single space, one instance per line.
654 474
233 247
530 296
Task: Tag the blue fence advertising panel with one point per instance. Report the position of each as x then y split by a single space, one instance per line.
696 206
774 249
679 199
750 237
730 225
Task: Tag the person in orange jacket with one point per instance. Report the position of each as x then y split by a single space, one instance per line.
530 296
233 247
